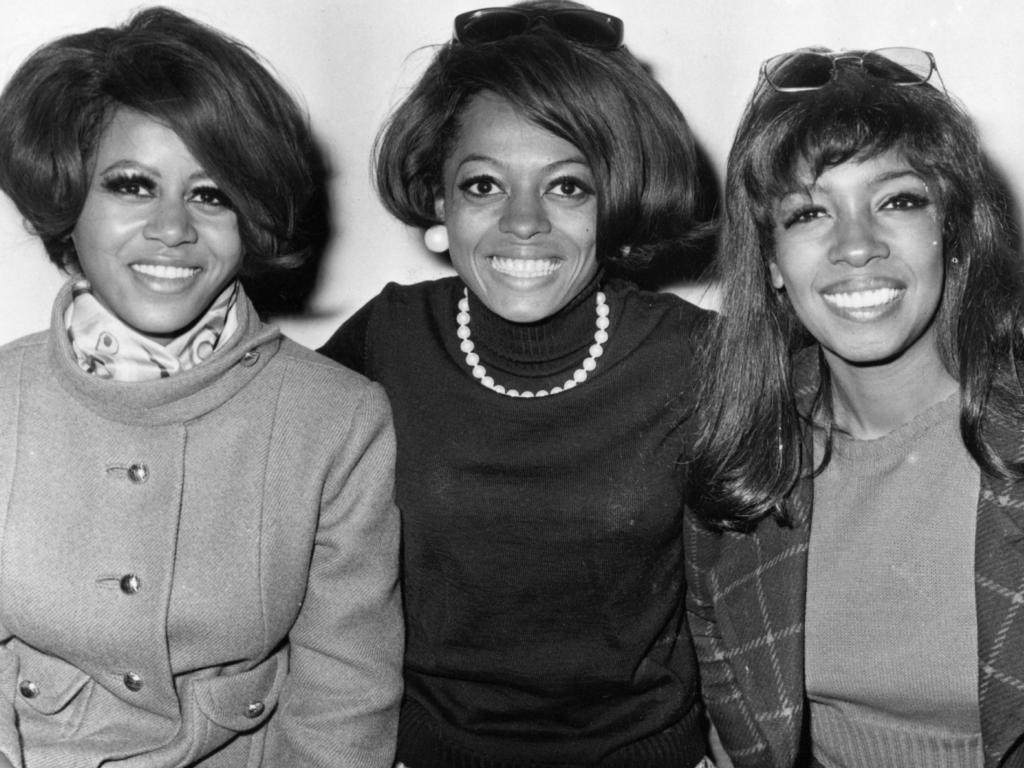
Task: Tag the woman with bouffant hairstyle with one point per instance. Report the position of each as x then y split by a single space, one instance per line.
200 543
539 408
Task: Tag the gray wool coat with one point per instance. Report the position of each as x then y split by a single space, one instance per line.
201 570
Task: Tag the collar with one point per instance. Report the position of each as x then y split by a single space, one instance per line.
542 349
187 395
107 347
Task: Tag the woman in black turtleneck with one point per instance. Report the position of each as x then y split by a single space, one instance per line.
542 409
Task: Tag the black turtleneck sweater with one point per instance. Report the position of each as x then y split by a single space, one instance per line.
542 558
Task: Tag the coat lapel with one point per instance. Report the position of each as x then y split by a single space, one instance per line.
999 592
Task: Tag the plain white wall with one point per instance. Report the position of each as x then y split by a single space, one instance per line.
350 61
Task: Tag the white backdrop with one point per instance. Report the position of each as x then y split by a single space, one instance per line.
349 61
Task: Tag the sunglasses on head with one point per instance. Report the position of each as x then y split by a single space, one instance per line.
581 25
809 69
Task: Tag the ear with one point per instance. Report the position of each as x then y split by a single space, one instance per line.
777 282
439 206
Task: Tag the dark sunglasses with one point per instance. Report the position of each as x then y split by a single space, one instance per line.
581 25
809 69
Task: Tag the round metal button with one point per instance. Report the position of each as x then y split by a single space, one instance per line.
28 689
138 473
255 709
130 584
250 358
132 681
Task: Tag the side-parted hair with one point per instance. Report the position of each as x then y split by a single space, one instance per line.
751 451
241 125
633 136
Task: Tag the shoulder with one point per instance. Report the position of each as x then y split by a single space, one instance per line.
660 306
415 297
323 384
655 319
15 351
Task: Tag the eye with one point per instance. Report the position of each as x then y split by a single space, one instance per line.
904 201
480 186
210 195
570 187
802 215
129 185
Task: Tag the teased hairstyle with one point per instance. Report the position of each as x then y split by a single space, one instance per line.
605 103
235 118
751 449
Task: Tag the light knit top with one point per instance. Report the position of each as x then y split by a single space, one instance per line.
891 646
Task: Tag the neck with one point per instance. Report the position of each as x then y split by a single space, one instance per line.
871 401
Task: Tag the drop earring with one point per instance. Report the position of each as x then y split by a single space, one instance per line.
436 238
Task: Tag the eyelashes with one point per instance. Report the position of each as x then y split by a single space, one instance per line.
907 201
128 184
137 185
568 186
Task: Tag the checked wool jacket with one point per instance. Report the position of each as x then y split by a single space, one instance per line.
746 597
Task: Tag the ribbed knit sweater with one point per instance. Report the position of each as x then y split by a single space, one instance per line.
542 537
891 639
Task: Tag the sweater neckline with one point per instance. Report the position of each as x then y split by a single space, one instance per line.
540 349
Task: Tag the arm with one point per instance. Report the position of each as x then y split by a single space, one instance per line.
733 726
340 703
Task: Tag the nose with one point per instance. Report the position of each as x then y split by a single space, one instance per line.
170 222
524 216
858 242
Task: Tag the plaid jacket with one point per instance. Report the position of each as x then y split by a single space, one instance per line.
746 610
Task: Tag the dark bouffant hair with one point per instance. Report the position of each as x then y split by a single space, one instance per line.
212 91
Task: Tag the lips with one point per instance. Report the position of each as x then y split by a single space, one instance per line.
524 268
165 271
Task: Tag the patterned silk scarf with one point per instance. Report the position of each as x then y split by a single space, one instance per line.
104 346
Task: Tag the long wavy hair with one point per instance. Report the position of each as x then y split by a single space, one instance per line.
751 450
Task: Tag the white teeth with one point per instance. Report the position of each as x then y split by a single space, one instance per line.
524 267
863 299
165 271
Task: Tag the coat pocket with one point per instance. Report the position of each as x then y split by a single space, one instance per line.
47 684
241 701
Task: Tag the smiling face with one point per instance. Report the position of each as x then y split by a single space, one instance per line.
859 253
520 207
157 239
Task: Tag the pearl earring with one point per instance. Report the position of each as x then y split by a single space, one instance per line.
436 238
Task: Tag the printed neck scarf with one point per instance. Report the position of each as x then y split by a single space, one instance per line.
104 346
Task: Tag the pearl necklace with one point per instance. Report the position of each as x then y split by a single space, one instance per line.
578 376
